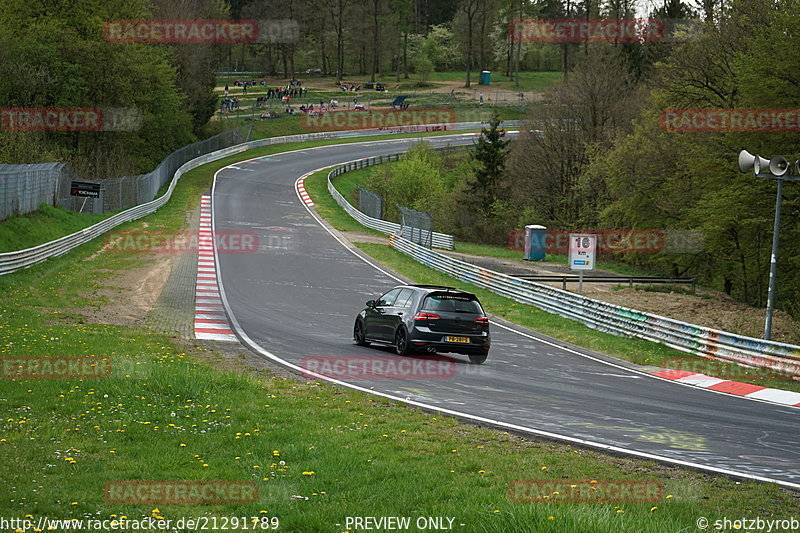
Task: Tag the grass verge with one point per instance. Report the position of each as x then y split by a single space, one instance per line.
46 224
316 453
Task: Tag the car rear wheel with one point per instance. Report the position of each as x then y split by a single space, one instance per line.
401 344
477 359
358 334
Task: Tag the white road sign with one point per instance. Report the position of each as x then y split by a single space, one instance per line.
582 248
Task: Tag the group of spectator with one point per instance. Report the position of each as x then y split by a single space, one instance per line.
230 104
291 92
285 94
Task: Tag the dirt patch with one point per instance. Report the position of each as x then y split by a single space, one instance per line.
362 236
718 312
133 293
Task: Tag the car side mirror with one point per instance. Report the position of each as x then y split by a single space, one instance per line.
370 303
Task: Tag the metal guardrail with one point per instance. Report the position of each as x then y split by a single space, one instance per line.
438 240
689 338
19 259
608 279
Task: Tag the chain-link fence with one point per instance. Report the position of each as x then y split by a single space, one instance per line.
416 226
370 203
23 188
119 193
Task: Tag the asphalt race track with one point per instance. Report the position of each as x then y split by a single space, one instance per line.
298 295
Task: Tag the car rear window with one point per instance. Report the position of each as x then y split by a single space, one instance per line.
454 303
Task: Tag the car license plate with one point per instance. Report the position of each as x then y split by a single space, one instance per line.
463 340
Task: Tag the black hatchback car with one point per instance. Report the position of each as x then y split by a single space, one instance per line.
427 318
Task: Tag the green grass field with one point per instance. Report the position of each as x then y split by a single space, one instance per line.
528 81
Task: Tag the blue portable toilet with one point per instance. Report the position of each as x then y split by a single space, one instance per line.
485 77
535 243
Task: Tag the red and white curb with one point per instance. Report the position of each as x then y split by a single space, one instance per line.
736 388
301 189
210 321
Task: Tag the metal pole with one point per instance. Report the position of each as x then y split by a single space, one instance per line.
580 283
773 263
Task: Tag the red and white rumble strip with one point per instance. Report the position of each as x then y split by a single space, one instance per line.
732 387
210 321
301 189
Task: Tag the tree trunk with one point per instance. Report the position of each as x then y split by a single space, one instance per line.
376 5
510 53
405 54
469 52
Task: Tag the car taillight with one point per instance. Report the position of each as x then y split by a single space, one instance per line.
482 320
426 316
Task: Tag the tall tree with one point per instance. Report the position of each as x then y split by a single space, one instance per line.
469 9
575 120
490 158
